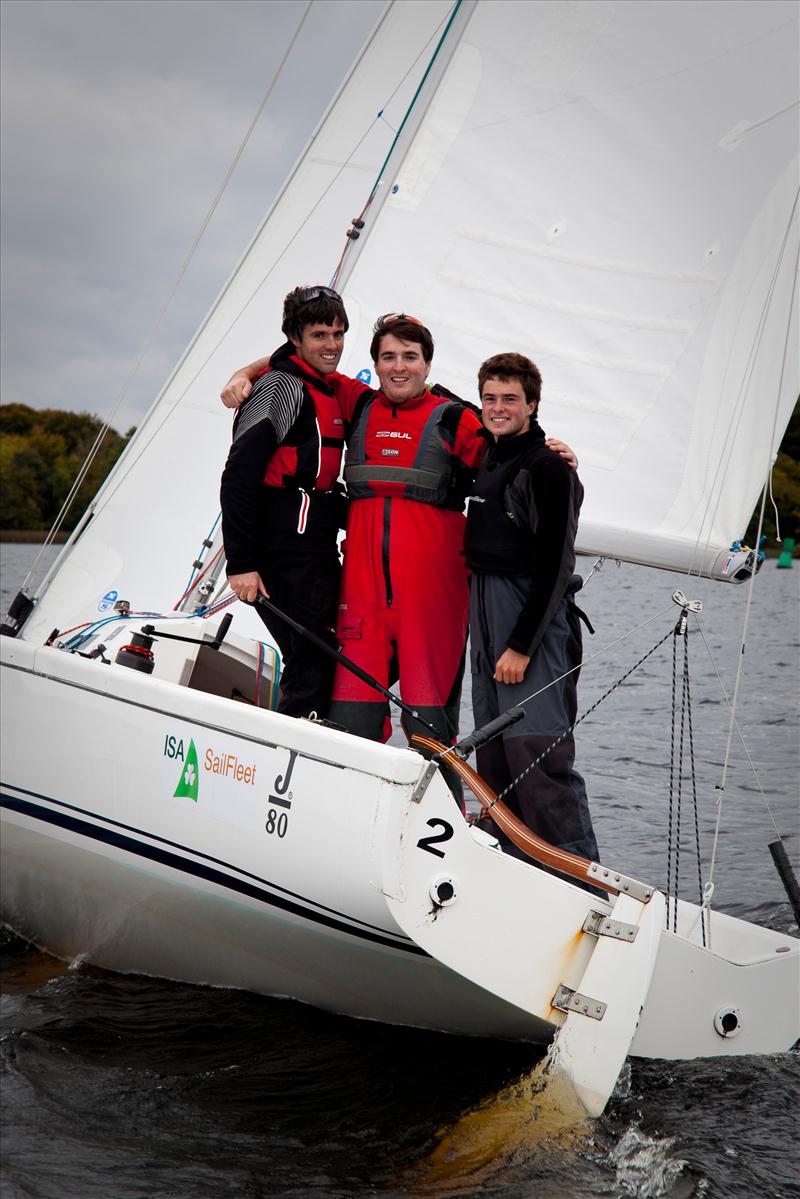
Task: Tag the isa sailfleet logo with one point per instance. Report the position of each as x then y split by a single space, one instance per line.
365 375
189 779
108 601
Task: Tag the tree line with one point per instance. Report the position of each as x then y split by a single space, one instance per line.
42 451
785 491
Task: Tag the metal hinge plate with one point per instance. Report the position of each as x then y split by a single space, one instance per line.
603 926
567 1000
423 782
620 882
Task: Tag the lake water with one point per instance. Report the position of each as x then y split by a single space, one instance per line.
133 1088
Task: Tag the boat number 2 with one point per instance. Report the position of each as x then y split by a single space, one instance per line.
427 843
281 797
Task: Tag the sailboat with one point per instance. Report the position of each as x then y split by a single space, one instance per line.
611 188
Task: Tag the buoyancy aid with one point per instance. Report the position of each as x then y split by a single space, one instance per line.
310 457
501 521
406 451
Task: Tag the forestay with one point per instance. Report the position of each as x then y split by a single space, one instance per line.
610 188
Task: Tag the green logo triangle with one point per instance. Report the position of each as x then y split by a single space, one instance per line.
189 780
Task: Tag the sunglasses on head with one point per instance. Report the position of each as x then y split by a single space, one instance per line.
391 317
314 293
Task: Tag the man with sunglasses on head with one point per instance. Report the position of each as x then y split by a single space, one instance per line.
282 503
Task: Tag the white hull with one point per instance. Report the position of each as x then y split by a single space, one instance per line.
102 860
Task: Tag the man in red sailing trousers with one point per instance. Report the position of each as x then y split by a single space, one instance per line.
403 613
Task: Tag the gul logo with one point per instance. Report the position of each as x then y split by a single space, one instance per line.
189 778
392 433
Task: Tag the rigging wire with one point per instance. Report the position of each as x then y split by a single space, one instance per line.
686 733
750 591
141 449
166 303
591 658
723 462
744 745
588 712
398 132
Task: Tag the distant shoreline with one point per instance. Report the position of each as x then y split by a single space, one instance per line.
30 536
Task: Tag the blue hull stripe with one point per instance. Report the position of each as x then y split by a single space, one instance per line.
185 865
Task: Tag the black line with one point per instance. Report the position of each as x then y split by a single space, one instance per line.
171 714
198 869
280 803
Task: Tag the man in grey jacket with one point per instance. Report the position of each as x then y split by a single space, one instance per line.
524 626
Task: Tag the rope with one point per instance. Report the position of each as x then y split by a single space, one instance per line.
680 801
585 661
206 545
739 731
701 889
676 783
132 461
397 134
723 461
164 307
670 821
588 712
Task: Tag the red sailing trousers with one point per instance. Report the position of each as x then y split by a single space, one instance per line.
403 613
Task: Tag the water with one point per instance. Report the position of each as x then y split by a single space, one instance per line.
135 1088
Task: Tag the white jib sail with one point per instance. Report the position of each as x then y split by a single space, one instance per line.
609 188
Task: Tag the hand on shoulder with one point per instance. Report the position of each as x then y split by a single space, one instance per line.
563 450
236 390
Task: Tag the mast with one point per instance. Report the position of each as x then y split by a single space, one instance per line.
415 114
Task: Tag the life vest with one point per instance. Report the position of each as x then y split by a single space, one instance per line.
310 457
407 452
499 537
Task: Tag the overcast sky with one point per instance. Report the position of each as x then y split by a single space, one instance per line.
120 119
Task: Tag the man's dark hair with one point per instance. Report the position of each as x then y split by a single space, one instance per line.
406 328
314 305
513 366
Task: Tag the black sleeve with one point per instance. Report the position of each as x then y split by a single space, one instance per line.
549 494
260 427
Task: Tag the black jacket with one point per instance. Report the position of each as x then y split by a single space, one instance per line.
522 522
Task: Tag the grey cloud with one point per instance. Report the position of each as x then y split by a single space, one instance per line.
119 122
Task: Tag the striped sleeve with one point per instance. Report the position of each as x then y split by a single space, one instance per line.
275 397
262 424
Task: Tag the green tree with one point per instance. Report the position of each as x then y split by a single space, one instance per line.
41 453
785 491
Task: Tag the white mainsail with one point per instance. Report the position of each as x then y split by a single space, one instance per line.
611 189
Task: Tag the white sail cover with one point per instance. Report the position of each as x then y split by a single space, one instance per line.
610 188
